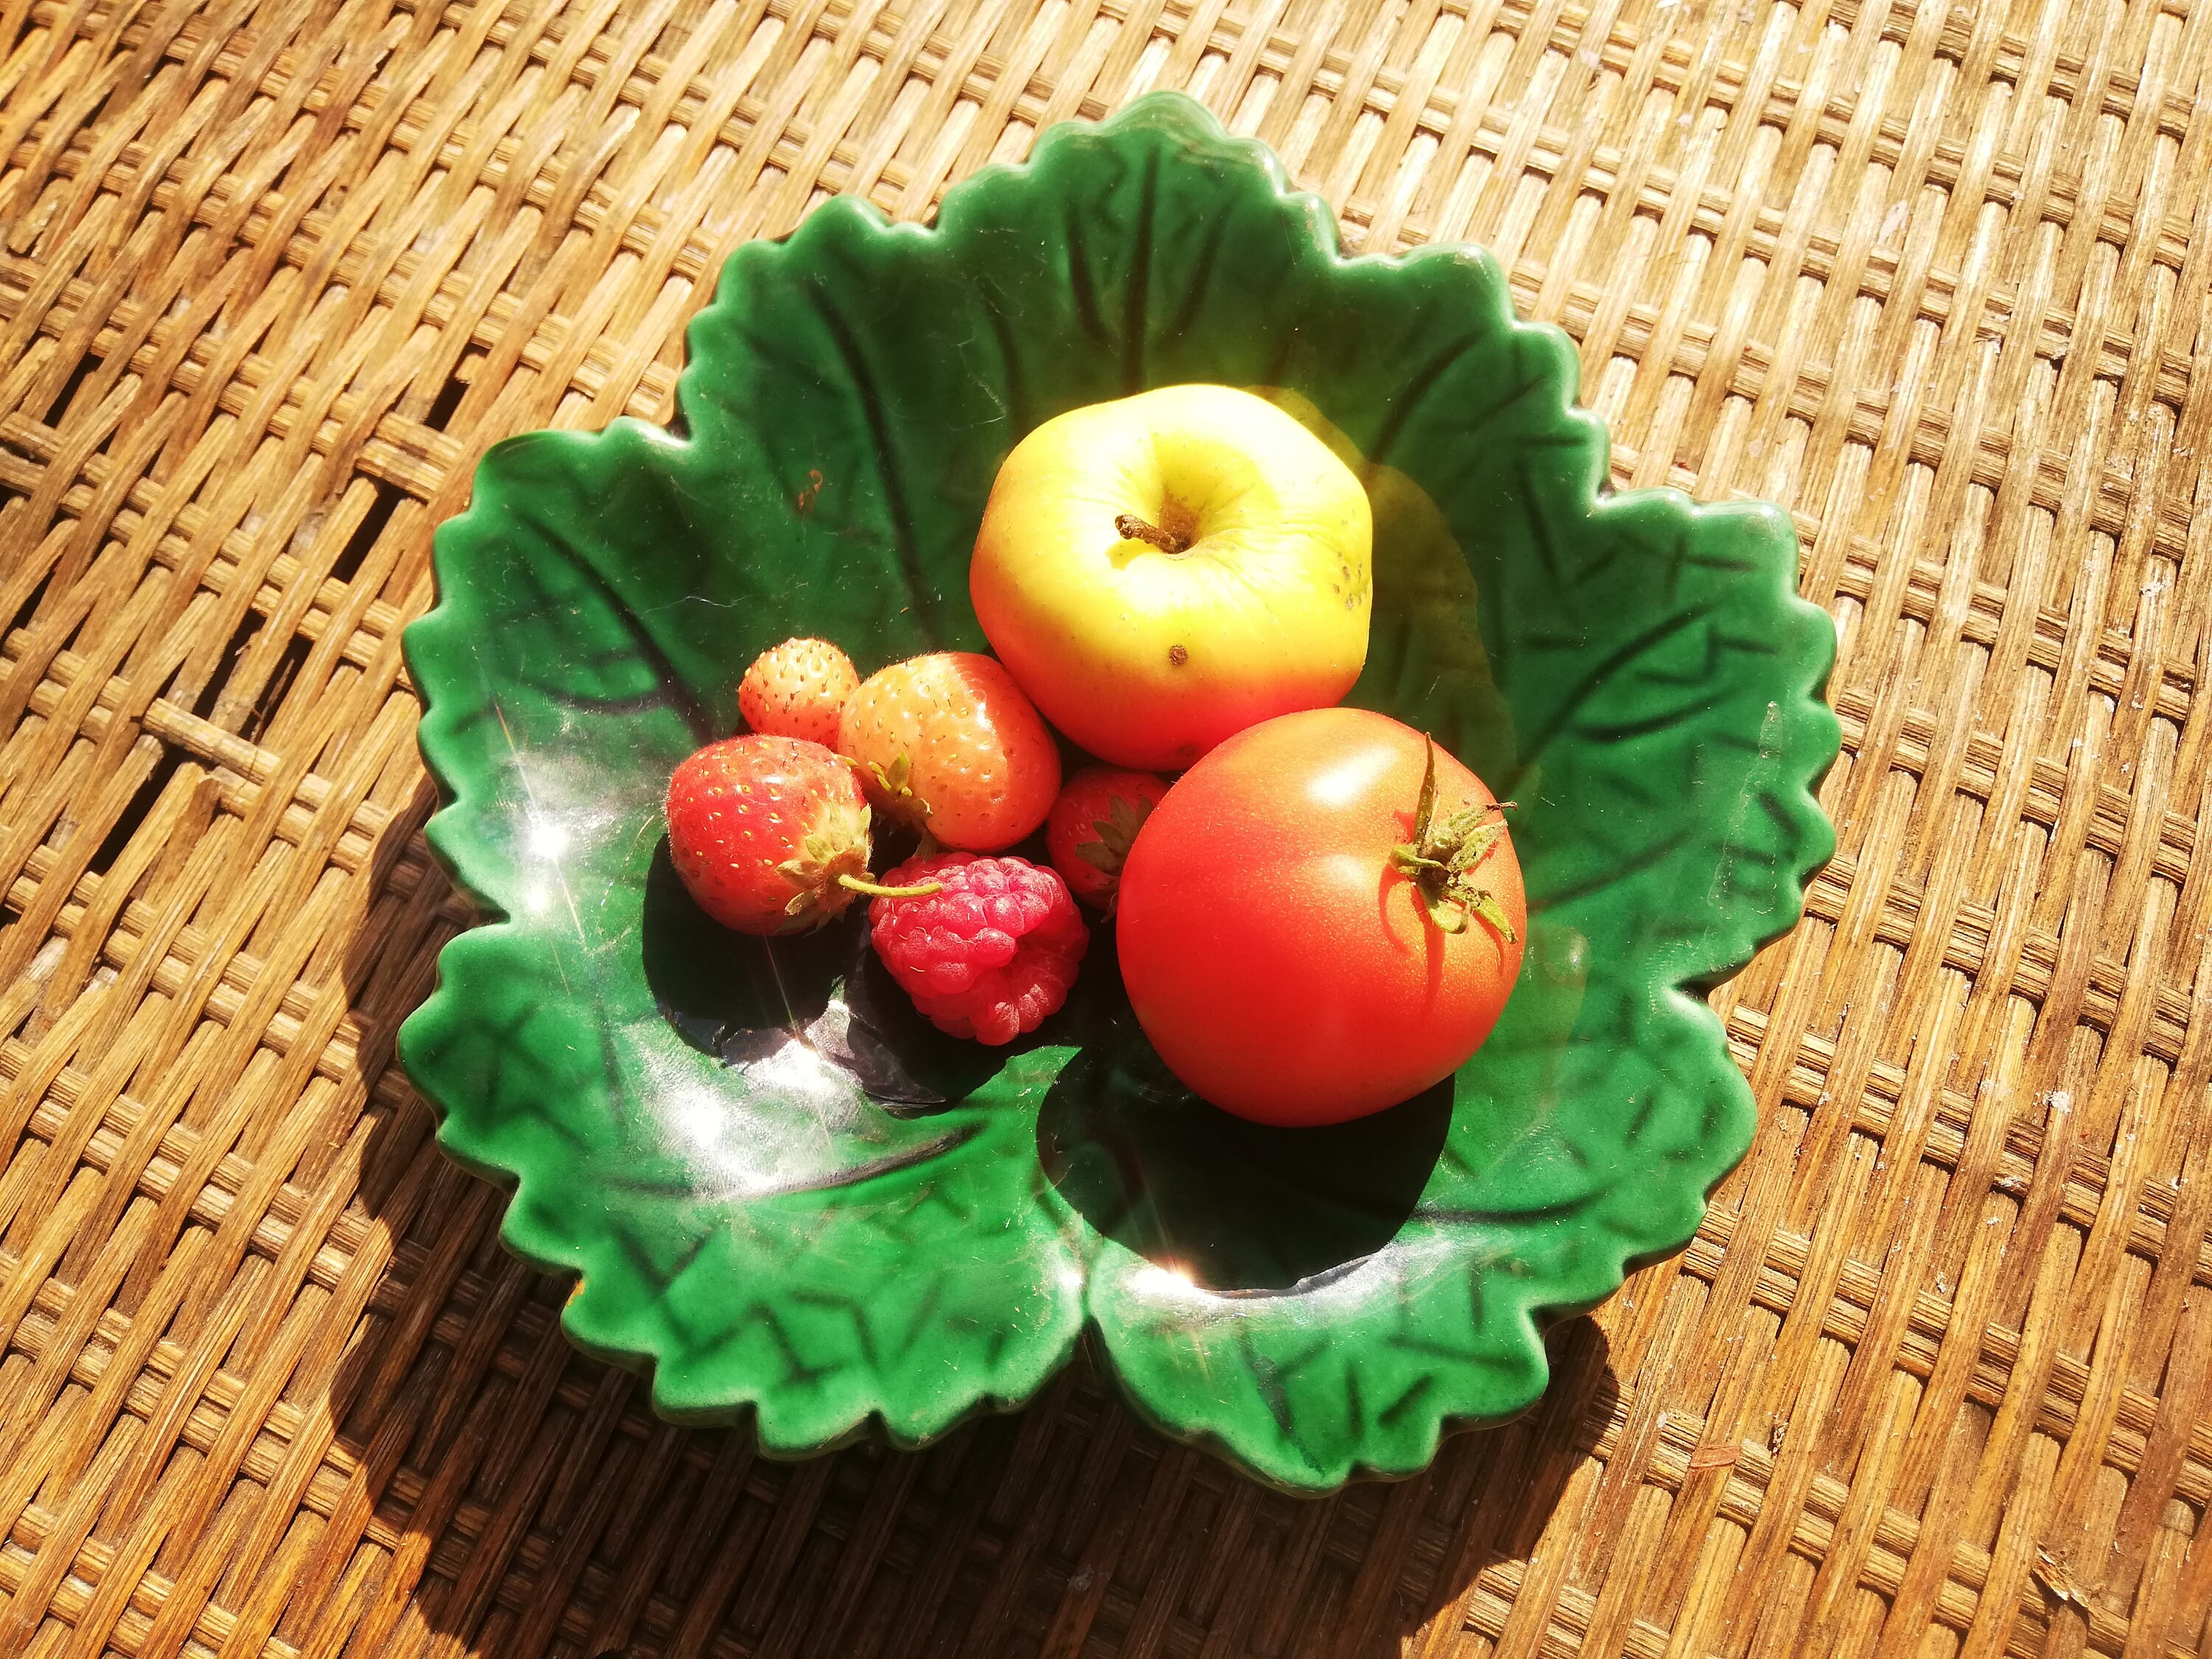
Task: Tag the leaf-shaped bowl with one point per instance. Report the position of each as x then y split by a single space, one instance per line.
778 1188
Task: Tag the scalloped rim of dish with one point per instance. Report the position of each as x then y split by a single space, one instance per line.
1811 748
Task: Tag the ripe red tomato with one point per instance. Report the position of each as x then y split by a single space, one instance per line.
1285 947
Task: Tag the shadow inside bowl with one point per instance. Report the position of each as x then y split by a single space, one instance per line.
1231 1205
1236 1206
745 999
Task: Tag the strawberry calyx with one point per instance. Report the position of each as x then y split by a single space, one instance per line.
900 800
1441 859
1117 832
818 875
830 868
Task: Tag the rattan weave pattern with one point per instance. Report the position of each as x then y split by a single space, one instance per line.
1935 1377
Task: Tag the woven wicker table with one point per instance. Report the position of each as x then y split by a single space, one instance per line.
1932 1379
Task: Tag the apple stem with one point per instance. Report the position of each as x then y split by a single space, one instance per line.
1136 530
873 890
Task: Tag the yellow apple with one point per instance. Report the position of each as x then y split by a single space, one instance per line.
1163 570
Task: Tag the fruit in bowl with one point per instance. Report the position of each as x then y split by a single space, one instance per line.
1320 918
1164 569
948 743
1092 826
770 834
1325 914
798 689
988 948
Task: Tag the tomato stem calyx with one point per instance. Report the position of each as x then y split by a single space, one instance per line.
1440 859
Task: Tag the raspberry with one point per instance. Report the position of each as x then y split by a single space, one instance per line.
989 957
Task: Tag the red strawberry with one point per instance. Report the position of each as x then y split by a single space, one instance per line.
989 952
948 741
769 834
798 689
1092 824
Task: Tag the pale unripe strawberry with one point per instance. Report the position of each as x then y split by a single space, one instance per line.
798 689
949 743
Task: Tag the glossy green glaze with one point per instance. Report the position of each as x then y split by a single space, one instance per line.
793 1200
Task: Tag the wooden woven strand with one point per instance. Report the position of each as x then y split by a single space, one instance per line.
1935 1375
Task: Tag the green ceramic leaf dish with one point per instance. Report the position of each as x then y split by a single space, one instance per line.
787 1196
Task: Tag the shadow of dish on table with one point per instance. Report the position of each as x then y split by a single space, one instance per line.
539 1503
1237 1208
525 1500
626 1533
